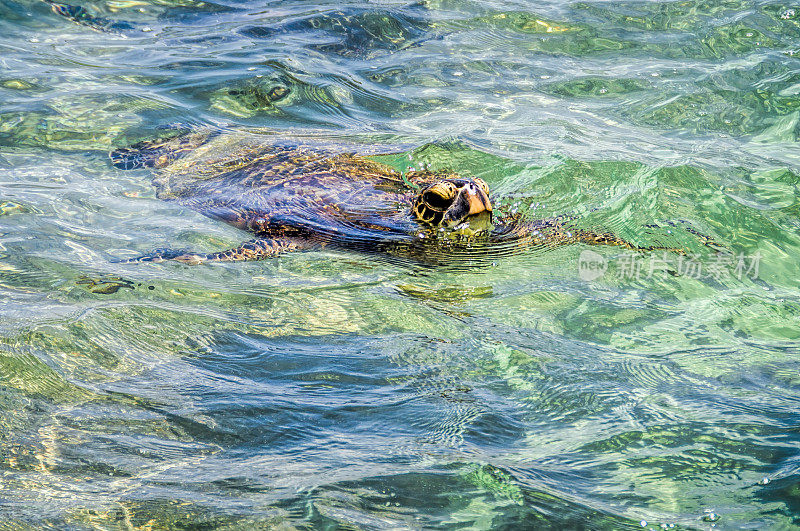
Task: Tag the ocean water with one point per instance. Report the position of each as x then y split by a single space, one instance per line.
558 388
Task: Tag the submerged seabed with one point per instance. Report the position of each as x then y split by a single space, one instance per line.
330 389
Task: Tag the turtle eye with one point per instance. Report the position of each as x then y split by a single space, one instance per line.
482 185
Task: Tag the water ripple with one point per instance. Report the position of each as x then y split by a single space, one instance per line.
490 386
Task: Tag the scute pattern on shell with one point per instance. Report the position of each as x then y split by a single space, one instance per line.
277 188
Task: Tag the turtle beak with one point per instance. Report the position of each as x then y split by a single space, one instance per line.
470 201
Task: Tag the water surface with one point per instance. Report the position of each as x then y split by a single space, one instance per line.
325 390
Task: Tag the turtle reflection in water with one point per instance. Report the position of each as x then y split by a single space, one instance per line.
293 197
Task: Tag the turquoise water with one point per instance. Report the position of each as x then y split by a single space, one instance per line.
332 389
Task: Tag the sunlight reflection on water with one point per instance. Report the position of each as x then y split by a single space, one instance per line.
333 388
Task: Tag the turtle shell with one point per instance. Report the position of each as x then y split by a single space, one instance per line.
280 187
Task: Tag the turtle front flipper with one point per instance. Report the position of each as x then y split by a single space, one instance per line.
553 233
606 238
561 235
252 250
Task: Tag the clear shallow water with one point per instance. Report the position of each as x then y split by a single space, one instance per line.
333 389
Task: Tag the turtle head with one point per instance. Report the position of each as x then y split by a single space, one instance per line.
452 202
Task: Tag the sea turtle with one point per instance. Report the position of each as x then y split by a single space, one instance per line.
292 197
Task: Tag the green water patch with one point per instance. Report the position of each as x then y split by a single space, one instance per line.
741 101
453 155
75 122
593 30
597 87
530 23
